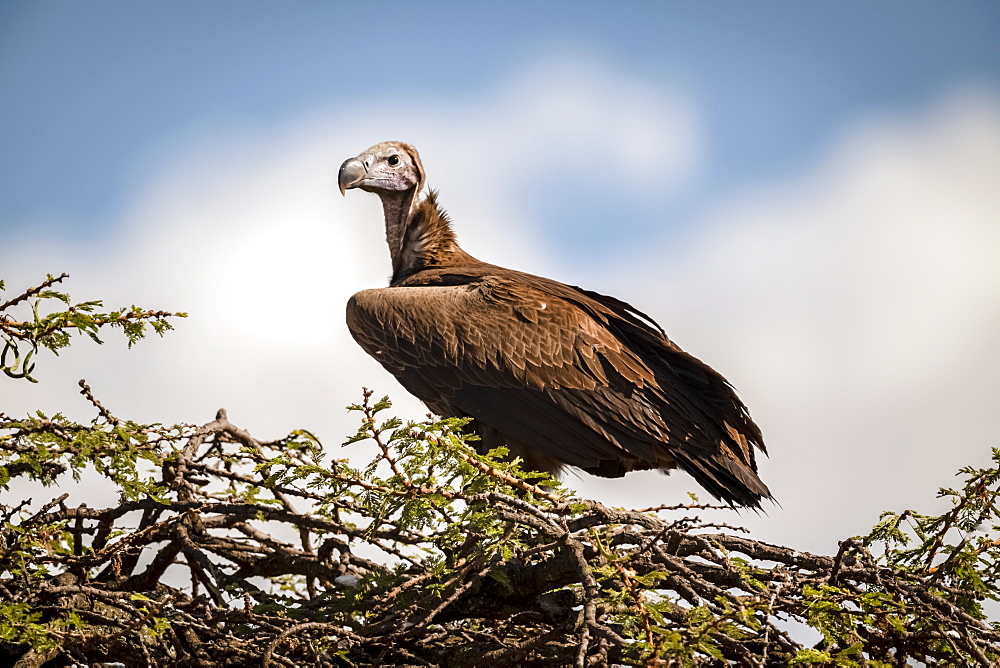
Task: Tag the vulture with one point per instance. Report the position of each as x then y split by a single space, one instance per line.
561 376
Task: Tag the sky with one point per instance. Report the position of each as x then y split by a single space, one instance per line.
804 195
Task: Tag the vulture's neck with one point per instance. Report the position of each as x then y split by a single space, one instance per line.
419 235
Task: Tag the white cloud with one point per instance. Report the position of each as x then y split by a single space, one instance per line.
857 308
856 304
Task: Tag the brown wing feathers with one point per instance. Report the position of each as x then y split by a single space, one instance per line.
565 376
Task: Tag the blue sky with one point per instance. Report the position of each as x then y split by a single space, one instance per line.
804 194
91 93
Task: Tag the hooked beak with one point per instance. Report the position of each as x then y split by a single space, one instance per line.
352 173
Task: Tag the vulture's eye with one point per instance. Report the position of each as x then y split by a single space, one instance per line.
393 160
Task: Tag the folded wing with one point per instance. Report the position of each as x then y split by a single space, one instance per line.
572 376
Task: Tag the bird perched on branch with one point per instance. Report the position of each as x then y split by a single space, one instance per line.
560 375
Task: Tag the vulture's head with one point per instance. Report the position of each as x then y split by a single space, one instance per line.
389 167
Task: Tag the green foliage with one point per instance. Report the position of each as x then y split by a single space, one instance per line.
957 548
23 336
21 624
42 448
449 521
